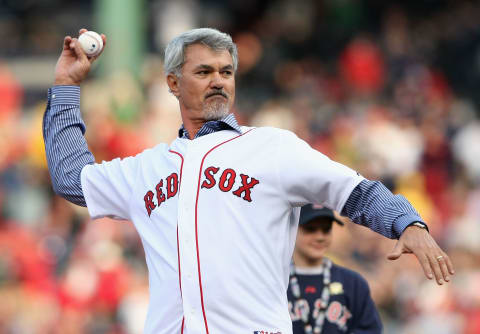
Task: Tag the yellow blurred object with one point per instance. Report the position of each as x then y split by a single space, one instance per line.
412 186
35 148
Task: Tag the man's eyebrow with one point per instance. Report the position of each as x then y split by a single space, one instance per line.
210 68
204 67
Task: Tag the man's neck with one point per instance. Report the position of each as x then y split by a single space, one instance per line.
193 126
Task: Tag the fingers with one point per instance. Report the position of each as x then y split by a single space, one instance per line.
435 266
438 266
81 31
438 263
434 262
443 267
77 48
396 252
425 263
449 264
66 42
446 266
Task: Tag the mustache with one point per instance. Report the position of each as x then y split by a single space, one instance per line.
217 92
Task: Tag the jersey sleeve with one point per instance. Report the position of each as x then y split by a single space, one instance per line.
108 186
308 176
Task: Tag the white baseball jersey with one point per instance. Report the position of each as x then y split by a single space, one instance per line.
217 217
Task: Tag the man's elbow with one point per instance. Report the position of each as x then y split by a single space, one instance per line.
72 192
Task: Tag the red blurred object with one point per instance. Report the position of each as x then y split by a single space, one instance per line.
112 285
124 142
28 259
11 93
362 66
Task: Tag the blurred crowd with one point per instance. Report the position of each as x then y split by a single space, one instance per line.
384 89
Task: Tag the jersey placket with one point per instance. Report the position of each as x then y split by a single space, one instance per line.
189 268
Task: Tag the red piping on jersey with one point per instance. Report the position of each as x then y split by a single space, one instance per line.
196 234
179 274
181 166
178 244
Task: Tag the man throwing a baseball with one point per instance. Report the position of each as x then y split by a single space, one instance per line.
217 209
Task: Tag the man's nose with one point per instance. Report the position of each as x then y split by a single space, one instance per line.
216 81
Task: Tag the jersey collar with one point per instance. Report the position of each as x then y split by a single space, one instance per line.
228 122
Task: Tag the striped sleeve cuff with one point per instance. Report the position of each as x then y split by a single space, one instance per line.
372 204
64 95
402 222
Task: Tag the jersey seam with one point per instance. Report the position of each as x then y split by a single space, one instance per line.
130 202
279 183
347 195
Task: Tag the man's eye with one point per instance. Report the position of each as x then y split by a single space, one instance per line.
227 72
202 72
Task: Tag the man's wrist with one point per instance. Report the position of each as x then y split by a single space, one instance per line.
65 83
418 224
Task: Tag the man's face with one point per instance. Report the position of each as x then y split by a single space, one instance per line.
314 238
206 88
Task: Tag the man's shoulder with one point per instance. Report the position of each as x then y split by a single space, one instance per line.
267 131
158 150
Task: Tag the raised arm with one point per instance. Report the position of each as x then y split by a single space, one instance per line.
63 128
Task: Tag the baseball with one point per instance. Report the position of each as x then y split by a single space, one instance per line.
91 43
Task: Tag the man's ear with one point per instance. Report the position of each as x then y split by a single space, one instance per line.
173 83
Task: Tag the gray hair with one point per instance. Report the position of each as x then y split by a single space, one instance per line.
214 39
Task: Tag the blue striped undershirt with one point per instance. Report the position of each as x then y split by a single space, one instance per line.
371 204
225 123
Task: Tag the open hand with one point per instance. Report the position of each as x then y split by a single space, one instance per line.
73 64
432 259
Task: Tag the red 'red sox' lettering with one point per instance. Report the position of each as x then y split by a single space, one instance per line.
246 186
149 205
171 188
227 181
210 181
160 194
172 185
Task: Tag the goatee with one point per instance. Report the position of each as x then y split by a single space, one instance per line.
215 110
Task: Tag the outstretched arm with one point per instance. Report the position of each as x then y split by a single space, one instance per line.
372 204
63 128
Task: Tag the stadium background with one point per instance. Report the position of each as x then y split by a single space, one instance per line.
388 88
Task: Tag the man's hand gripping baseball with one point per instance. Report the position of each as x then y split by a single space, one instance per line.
73 64
432 259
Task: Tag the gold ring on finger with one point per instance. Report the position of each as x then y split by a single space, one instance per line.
439 257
